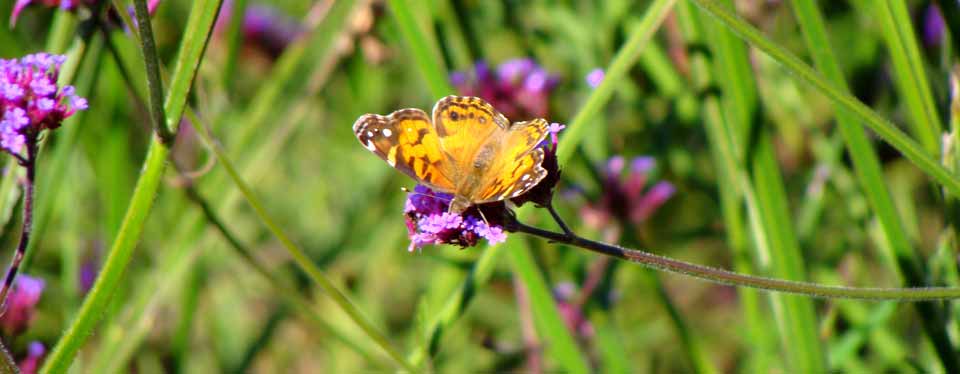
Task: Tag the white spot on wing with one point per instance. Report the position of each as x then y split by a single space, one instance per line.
387 132
370 146
525 177
369 134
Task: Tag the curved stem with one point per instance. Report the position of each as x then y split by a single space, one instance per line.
736 279
30 164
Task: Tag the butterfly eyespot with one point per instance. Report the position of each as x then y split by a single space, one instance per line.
454 115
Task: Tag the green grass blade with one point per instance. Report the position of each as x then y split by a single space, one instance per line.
766 198
425 56
870 175
94 305
300 257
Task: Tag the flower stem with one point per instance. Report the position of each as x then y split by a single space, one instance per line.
726 277
154 83
30 164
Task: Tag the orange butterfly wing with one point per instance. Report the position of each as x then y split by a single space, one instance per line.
516 168
464 124
406 140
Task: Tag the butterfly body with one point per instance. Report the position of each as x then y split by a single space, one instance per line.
467 149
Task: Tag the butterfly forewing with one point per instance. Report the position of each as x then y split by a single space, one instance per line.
469 149
407 141
464 124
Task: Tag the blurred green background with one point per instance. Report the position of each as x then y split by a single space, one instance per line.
280 89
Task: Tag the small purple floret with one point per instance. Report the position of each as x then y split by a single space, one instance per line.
595 77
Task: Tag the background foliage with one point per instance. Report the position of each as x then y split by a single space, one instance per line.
773 176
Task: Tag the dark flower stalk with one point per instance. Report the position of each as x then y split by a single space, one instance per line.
30 102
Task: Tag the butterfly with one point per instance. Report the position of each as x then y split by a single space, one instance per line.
467 149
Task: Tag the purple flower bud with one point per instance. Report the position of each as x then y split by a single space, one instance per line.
35 353
933 26
595 77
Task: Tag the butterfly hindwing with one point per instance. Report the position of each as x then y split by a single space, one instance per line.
517 167
407 141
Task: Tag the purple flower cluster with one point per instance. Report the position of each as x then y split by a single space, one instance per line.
627 199
519 88
66 5
30 100
21 304
428 222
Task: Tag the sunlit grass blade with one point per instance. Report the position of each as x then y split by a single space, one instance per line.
426 56
910 77
886 130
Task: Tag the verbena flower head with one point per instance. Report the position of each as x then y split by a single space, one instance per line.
31 101
21 304
627 199
263 27
519 88
428 221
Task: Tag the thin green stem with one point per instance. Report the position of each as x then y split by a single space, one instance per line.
886 130
299 256
95 304
730 278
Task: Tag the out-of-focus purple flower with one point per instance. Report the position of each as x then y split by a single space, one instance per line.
572 314
35 354
263 27
519 88
933 26
30 100
428 222
21 304
65 5
627 199
595 77
88 274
